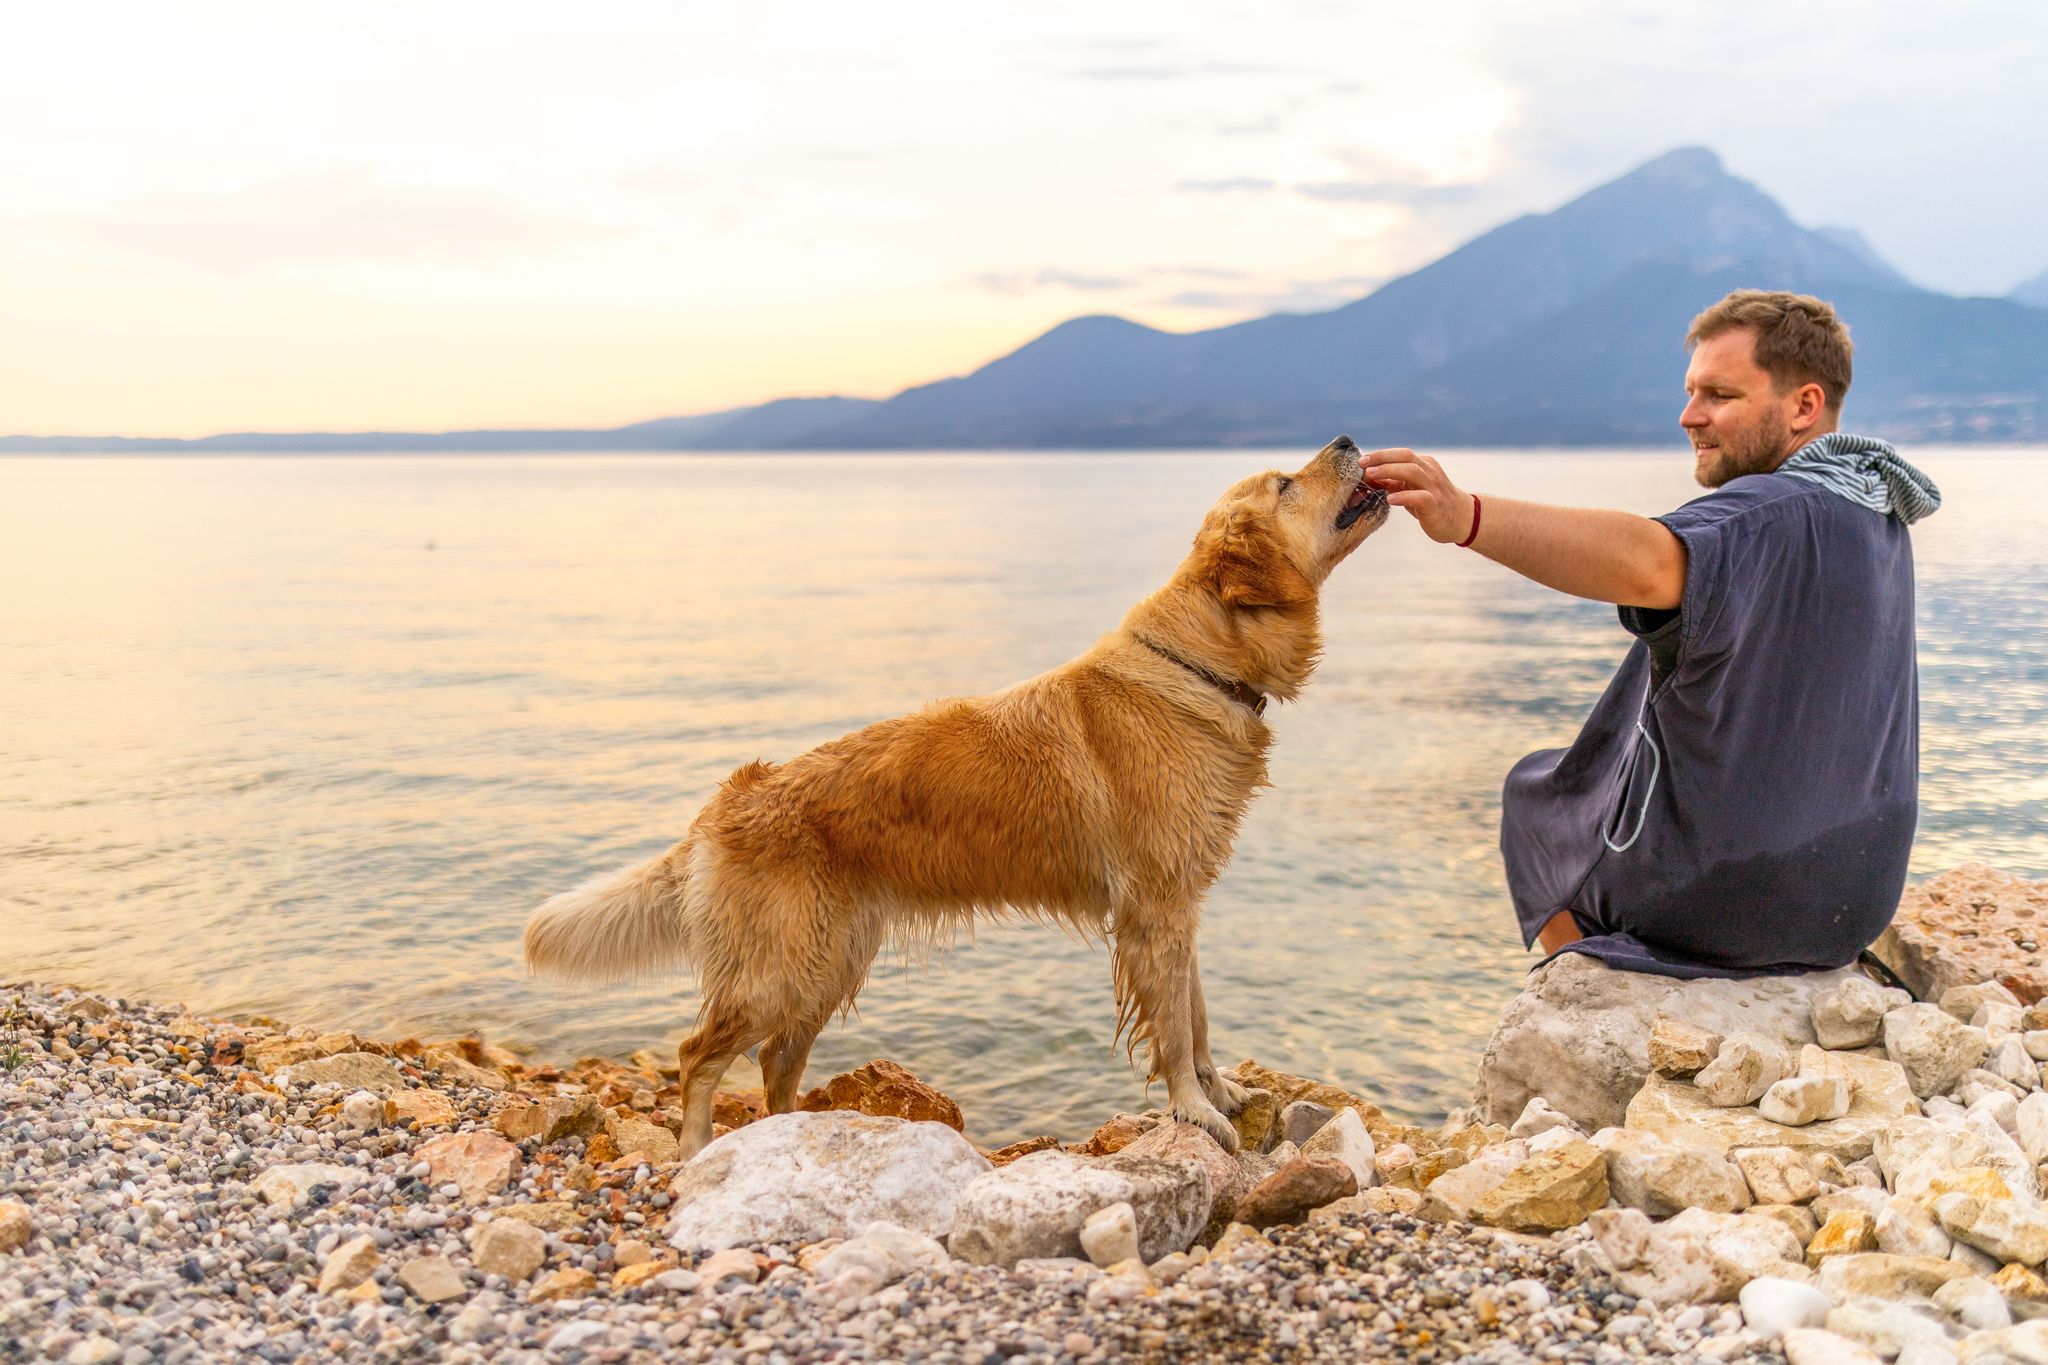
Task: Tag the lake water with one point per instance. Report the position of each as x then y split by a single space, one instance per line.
309 737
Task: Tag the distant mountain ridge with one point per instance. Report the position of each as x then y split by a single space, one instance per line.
1563 328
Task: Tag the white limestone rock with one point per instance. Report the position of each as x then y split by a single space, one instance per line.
1975 1302
1345 1138
1579 1035
1036 1206
1850 1015
796 1178
1772 1306
2002 1228
283 1184
2001 1108
1818 1346
2010 1061
1997 1019
2004 1156
887 1252
1776 1175
1110 1235
1905 1227
1933 1047
1962 1002
1538 1117
1888 1328
2025 1344
2031 1115
1799 1100
1749 1064
1661 1177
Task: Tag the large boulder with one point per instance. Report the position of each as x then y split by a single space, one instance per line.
809 1177
1229 1178
1035 1206
1971 924
1579 1034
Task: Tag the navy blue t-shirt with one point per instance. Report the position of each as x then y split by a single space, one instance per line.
1742 799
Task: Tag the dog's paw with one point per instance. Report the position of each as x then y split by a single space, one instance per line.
1226 1094
1210 1121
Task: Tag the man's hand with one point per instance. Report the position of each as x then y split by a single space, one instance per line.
1419 484
1584 551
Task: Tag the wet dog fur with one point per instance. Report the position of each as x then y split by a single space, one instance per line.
1104 795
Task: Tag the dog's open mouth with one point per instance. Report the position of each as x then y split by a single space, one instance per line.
1364 498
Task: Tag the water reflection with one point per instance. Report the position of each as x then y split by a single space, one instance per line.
268 751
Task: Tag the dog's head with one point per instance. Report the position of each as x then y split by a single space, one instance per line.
1273 538
1244 602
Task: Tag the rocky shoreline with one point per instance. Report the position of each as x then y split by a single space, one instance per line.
166 1199
1815 1169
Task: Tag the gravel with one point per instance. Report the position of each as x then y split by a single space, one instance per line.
135 1156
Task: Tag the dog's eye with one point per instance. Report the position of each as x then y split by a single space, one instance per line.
1285 483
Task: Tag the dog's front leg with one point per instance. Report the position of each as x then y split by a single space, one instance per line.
1154 965
1226 1094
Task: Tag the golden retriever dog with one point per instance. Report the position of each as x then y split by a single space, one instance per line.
1103 795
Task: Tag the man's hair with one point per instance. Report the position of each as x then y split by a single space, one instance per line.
1799 340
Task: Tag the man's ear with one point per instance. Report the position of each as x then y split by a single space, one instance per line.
1248 567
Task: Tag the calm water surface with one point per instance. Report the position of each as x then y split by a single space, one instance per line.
310 737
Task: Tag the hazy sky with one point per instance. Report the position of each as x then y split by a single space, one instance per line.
432 215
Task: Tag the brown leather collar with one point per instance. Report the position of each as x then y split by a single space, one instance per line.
1241 693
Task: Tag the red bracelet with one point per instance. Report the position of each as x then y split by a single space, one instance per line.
1466 543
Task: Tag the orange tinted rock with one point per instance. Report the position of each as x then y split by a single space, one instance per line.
1973 923
1119 1133
1003 1156
885 1090
737 1109
601 1148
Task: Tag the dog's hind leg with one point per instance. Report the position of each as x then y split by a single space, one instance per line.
782 1062
1154 962
1223 1092
723 1034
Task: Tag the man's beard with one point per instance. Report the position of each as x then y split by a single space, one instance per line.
1756 451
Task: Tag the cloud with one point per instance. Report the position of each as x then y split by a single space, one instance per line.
1016 285
345 216
1132 73
1295 296
1387 192
1244 183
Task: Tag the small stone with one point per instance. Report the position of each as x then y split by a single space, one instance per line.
1933 1047
508 1247
363 1111
1975 1303
885 1090
2018 1282
1388 1199
678 1281
94 1350
553 1216
2010 1062
1906 1228
626 1277
2031 1118
577 1334
355 1070
1110 1235
1303 1119
1846 1232
274 1054
567 1284
426 1108
17 1226
349 1265
480 1164
1800 1100
284 1184
1851 1015
1817 1346
433 1279
1999 1227
1874 1274
1961 1003
1549 1192
1776 1175
552 1119
1288 1195
654 1144
1679 1049
1794 1218
1662 1177
1120 1132
2035 1041
2000 1107
1229 1181
1078 1344
735 1262
476 1322
1257 1122
1450 1197
1772 1306
1747 1065
1345 1138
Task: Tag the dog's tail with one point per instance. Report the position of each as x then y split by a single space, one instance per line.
625 925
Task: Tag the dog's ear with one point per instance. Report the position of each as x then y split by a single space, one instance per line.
1248 567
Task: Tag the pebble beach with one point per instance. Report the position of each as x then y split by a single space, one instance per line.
165 1202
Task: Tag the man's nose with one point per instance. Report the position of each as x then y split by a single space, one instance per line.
1693 416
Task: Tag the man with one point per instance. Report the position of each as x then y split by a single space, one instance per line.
1742 799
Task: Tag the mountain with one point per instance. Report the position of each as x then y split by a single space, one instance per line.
784 422
1563 328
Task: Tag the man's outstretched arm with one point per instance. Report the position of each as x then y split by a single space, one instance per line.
1587 552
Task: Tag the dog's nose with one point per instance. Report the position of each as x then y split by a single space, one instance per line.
1343 443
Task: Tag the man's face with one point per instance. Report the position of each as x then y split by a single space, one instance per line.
1738 421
